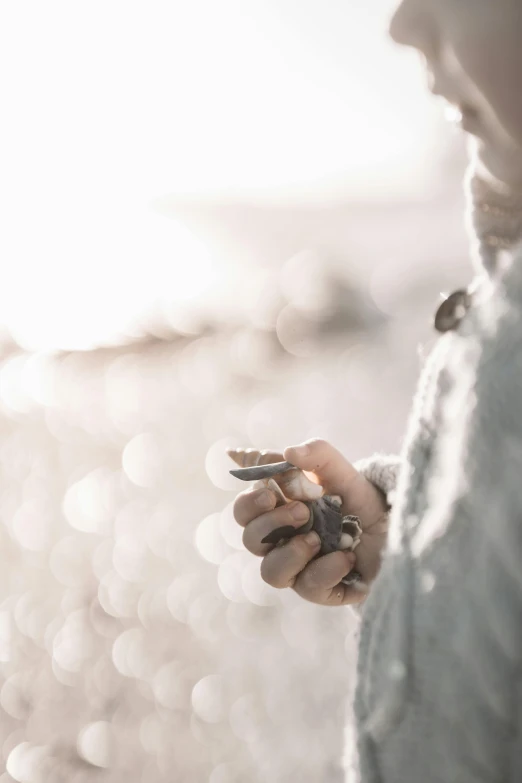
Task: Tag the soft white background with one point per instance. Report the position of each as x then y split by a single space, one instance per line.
110 105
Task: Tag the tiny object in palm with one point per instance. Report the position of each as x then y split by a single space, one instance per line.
335 529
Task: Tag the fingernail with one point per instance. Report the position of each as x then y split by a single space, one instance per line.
302 450
264 500
299 511
312 538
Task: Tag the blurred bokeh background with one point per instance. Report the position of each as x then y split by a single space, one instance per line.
225 222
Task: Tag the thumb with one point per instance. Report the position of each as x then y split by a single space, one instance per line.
334 472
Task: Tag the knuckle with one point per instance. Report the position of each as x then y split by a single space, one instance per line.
301 548
323 573
306 592
252 541
246 540
297 508
271 575
281 566
282 516
238 504
319 447
244 509
311 580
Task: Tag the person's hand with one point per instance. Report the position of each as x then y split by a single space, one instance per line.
289 565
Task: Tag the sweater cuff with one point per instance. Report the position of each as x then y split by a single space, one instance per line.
383 471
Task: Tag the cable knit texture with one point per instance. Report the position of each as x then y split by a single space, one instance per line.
439 691
382 470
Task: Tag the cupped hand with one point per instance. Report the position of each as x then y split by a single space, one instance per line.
293 565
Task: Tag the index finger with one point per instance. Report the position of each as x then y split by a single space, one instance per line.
330 466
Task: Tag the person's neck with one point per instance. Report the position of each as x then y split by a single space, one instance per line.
495 216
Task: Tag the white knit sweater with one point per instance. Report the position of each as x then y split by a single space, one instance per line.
439 692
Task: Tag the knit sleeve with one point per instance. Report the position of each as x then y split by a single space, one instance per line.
440 656
383 471
471 538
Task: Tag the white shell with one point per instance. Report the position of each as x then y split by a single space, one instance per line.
297 486
346 541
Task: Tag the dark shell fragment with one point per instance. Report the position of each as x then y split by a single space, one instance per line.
261 471
325 518
283 533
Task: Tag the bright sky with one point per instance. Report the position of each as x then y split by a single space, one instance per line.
112 103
